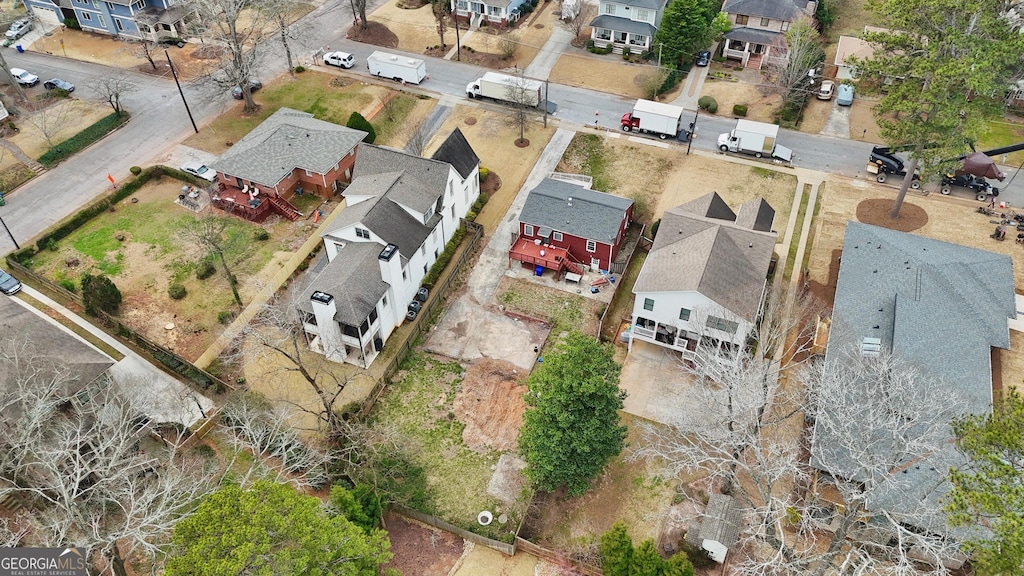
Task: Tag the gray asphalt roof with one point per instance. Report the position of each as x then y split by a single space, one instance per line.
756 215
721 522
713 256
422 182
287 140
785 10
48 342
593 215
649 4
457 151
354 279
754 35
623 25
938 306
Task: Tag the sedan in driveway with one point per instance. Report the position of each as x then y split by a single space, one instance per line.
254 85
827 90
24 77
18 29
201 170
58 84
9 284
703 58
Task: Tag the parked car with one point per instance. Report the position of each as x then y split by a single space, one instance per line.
845 95
201 170
971 182
9 284
254 85
19 28
703 58
339 59
24 77
827 90
57 83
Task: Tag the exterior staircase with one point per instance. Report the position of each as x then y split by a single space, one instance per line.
754 62
285 209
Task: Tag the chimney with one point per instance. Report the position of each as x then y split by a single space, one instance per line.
324 309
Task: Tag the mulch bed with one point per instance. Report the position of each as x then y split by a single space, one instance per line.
482 59
375 33
876 212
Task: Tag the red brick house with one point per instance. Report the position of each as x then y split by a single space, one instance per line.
565 227
289 153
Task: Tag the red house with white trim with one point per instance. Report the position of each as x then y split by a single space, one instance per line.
565 227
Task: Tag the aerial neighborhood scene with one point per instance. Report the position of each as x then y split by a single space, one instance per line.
516 287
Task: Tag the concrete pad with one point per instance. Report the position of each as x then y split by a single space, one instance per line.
477 560
469 332
655 382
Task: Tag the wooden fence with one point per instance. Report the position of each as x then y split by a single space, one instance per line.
558 559
503 547
150 349
641 244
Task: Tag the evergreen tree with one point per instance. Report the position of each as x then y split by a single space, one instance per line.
616 551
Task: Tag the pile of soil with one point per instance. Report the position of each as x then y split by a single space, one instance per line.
491 184
375 33
419 549
490 404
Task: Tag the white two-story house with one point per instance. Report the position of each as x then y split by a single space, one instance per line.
476 12
759 26
705 277
401 211
627 23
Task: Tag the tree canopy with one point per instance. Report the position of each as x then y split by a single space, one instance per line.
686 28
949 63
571 426
271 529
990 489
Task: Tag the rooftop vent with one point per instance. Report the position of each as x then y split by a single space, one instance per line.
570 200
387 252
321 297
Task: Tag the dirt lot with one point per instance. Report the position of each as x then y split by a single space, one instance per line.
420 549
62 120
604 72
468 332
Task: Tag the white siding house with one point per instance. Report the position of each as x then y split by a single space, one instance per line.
705 276
401 212
759 26
627 24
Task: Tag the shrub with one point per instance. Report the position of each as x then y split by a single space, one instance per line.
625 52
176 291
671 79
205 269
654 228
507 45
357 122
170 40
484 173
100 294
72 23
708 103
739 110
225 317
303 266
68 284
135 170
446 256
590 44
80 141
609 48
261 235
300 69
51 245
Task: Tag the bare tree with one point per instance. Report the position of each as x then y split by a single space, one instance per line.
416 144
508 43
280 11
73 458
145 49
359 12
800 51
523 94
111 87
10 79
442 13
50 121
579 21
651 81
210 231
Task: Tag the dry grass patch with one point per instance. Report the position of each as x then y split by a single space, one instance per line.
815 115
606 73
760 106
416 28
62 120
863 125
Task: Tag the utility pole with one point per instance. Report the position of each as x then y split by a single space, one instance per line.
180 91
458 45
16 247
693 132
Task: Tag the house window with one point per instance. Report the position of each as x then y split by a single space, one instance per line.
120 26
637 40
425 269
785 26
642 15
556 236
103 23
451 189
423 249
609 9
373 316
684 314
602 34
591 246
494 10
648 304
527 229
741 20
405 274
360 233
338 246
436 252
110 6
384 301
764 22
722 324
86 16
462 5
430 212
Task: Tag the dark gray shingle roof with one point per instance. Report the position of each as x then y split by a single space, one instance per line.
287 140
455 150
623 25
354 279
744 34
785 10
721 523
592 215
756 215
422 182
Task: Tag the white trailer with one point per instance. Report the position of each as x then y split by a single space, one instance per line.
398 68
756 138
506 88
665 120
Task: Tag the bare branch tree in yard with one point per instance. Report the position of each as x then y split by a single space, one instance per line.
147 50
579 22
804 51
442 13
241 26
743 425
50 121
280 10
522 98
359 12
75 464
210 231
111 88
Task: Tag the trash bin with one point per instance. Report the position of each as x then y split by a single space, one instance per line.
19 47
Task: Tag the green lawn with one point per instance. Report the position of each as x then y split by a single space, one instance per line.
1003 134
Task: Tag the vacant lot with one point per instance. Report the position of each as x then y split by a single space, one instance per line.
39 130
606 73
761 105
142 247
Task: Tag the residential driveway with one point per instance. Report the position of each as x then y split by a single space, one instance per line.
469 332
838 123
655 383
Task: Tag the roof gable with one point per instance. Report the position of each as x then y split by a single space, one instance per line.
455 150
784 10
355 281
574 210
710 205
422 180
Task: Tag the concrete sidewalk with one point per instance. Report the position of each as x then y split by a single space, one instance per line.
164 398
549 54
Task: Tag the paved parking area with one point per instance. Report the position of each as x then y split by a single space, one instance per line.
656 383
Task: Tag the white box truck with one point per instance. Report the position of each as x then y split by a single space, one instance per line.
398 68
665 120
506 88
756 138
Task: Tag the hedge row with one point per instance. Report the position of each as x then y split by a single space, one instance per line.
83 139
445 257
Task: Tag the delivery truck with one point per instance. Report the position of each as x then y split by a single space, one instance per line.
506 88
756 138
398 68
665 120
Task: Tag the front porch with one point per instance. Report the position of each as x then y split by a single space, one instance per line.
621 33
361 356
664 335
754 48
